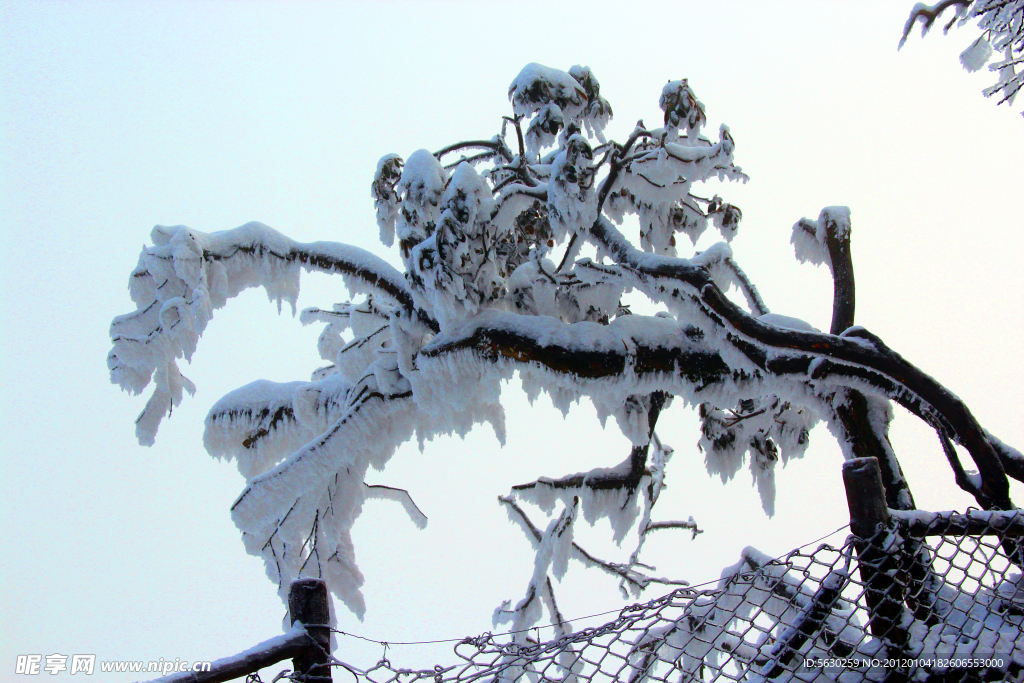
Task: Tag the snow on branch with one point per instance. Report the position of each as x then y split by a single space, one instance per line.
554 547
298 516
850 357
1002 26
827 240
632 355
635 580
187 274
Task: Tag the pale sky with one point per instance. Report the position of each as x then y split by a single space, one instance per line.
120 116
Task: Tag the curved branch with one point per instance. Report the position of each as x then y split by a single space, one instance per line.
927 15
864 351
865 437
493 145
844 297
197 273
362 270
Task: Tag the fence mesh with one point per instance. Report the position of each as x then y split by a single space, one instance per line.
897 608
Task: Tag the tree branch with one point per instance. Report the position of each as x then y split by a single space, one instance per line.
844 296
875 356
493 145
605 355
927 15
624 572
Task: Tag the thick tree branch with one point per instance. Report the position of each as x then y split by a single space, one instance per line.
865 442
872 355
844 296
851 406
694 363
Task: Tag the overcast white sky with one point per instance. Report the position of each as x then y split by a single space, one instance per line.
119 116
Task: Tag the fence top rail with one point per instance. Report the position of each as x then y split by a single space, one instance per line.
269 652
919 523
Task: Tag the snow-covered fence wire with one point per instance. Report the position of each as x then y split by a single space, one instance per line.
808 616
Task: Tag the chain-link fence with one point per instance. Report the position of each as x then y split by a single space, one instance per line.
895 607
910 596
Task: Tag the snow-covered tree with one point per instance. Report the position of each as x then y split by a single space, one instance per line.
526 254
1002 33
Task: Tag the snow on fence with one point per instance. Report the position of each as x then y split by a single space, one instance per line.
910 596
804 617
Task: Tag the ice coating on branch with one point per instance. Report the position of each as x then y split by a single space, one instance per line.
683 111
533 289
544 129
370 328
810 238
621 505
657 184
537 86
401 497
977 54
367 322
572 203
552 554
1010 81
187 274
298 515
768 429
1002 31
256 425
461 268
598 111
385 196
177 287
421 185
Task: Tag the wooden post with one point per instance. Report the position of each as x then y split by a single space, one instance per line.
308 605
880 568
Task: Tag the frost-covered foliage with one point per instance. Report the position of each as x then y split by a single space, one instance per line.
523 258
1002 34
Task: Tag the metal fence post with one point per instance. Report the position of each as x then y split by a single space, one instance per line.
880 567
308 605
